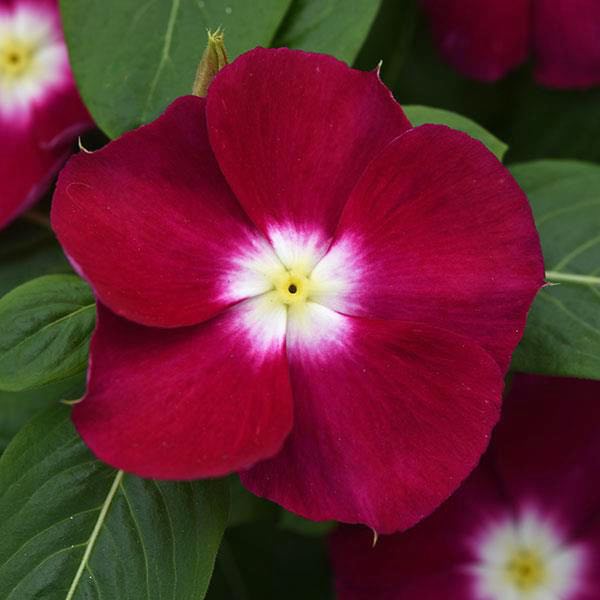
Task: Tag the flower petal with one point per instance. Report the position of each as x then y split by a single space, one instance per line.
432 552
185 403
427 561
483 40
26 170
294 148
437 231
566 42
41 116
552 462
537 477
150 222
389 418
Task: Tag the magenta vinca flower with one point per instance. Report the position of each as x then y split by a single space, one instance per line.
524 526
40 110
487 39
289 273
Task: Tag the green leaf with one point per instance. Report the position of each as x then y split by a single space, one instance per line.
28 250
259 561
548 123
292 522
74 529
328 26
389 39
16 408
246 507
46 325
562 336
132 58
419 115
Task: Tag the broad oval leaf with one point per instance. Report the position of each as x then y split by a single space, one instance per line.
328 26
420 115
132 58
74 529
46 325
562 336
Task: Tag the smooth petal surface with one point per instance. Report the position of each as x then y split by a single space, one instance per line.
32 154
294 142
437 231
38 123
424 562
547 448
566 39
26 170
482 40
389 418
186 403
535 485
150 222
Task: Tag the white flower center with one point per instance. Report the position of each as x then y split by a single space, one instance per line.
526 558
291 281
33 59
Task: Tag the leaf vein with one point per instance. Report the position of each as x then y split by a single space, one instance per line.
94 535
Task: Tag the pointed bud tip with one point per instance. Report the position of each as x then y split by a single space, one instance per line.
213 60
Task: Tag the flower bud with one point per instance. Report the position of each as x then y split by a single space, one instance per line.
213 60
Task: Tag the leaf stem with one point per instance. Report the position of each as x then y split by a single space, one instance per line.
93 537
558 277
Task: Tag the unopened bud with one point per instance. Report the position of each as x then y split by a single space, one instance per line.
213 60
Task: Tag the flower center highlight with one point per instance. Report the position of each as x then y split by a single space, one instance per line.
15 58
525 570
526 557
292 287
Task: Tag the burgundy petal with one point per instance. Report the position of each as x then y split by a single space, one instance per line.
26 170
184 403
151 223
566 37
547 447
437 231
481 39
37 138
293 131
543 460
425 562
389 418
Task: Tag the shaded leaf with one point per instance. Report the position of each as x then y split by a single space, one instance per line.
554 123
46 325
292 522
328 26
390 39
16 408
419 115
28 250
73 528
258 561
248 508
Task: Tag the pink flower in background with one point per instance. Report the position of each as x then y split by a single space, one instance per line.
288 271
40 110
485 39
524 526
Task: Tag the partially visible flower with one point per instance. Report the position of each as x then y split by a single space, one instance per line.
302 277
485 39
40 110
524 526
